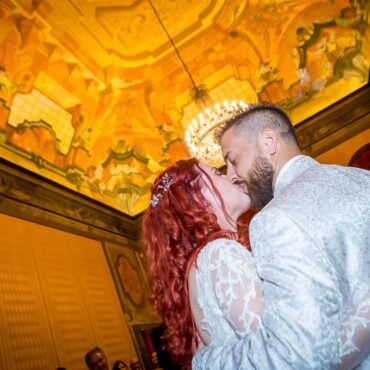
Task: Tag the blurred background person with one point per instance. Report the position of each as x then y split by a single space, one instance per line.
135 364
119 365
96 359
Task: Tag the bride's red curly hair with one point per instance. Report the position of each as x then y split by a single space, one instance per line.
174 231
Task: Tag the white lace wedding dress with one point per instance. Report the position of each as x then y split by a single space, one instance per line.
228 293
226 299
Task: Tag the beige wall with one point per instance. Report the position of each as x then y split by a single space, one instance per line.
57 299
343 153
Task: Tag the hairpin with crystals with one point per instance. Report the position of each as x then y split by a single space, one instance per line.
162 187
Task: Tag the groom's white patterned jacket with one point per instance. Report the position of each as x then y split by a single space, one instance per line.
311 245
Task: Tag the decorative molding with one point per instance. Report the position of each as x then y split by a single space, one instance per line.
134 32
29 196
125 154
131 280
335 124
21 127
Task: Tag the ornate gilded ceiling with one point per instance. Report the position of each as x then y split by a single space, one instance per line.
93 96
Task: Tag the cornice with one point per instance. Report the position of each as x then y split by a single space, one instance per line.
336 124
29 196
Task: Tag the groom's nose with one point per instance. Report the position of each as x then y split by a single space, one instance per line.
231 175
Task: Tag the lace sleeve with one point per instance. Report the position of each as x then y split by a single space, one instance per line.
355 335
237 288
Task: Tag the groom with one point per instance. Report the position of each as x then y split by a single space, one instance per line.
311 243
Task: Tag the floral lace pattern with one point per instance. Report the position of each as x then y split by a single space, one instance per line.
229 291
355 336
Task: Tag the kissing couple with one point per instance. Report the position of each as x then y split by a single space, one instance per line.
296 293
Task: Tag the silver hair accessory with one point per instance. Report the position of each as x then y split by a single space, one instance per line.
163 186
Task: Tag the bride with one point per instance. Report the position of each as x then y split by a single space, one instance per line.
203 278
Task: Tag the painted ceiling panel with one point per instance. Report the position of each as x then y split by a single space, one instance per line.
94 97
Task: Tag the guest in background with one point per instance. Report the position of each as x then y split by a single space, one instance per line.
96 359
135 364
119 365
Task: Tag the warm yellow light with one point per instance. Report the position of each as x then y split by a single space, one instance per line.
199 136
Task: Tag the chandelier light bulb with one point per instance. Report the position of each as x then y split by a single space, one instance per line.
199 136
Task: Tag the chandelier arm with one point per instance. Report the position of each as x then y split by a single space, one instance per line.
173 44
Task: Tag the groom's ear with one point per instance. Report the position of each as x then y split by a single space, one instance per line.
269 140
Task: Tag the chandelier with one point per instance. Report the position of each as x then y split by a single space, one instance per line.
199 136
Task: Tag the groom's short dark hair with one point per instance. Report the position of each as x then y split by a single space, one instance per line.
257 117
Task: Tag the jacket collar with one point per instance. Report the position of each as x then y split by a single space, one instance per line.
291 170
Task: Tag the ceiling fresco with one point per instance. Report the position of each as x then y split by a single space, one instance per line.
93 96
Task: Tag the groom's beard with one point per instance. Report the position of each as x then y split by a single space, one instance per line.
260 183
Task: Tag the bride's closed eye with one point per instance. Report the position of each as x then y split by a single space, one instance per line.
216 171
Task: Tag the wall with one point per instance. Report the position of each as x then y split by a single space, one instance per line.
343 153
57 299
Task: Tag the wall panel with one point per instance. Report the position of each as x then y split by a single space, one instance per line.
343 153
59 277
101 297
25 335
57 299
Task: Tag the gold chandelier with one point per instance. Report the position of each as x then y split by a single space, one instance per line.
199 136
